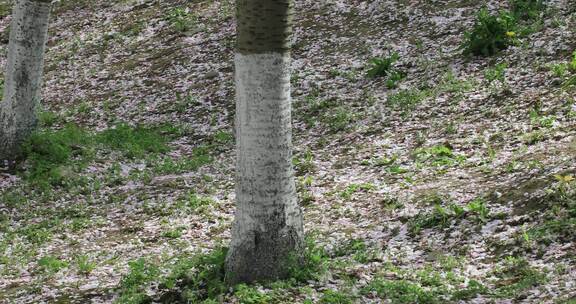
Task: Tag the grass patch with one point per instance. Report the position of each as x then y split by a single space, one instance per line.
167 165
437 156
527 9
336 297
51 264
199 278
133 285
406 100
400 292
133 142
312 265
471 291
54 157
251 295
181 19
441 217
516 276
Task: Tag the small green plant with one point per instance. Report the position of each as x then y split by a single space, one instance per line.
478 207
380 67
559 70
47 119
85 265
49 152
572 66
250 295
312 265
438 217
185 103
304 193
133 285
167 165
533 137
339 119
134 142
222 137
181 19
516 275
353 188
173 233
198 203
199 277
38 233
313 107
336 297
527 9
400 292
51 264
496 73
304 163
384 67
544 121
471 291
406 100
439 155
350 247
357 248
490 34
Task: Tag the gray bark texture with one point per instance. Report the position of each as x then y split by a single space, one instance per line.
267 234
23 77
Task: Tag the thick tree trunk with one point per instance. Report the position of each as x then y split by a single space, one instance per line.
267 232
23 78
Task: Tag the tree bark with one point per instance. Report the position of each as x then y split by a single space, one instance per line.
23 77
267 233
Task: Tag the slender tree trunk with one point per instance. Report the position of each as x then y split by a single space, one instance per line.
267 230
23 78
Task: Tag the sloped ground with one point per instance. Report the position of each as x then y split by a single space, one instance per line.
448 188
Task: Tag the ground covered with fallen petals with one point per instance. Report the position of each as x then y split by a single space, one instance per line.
452 185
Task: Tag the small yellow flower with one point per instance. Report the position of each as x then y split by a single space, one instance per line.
510 34
565 178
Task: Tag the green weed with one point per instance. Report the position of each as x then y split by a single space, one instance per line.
51 264
304 163
496 73
84 264
250 295
181 19
198 277
336 297
353 188
439 155
167 165
527 9
54 157
400 292
516 275
173 233
471 291
339 119
490 34
48 119
478 207
134 142
380 67
406 100
312 265
133 285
